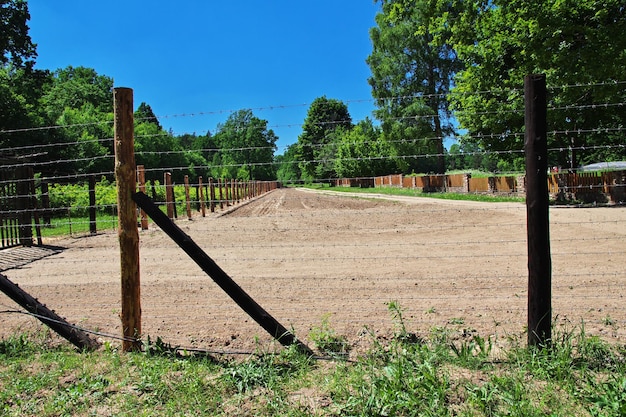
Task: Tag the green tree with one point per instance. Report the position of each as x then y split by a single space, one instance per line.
73 87
16 45
245 148
579 46
144 113
315 148
412 65
362 152
288 169
20 85
80 101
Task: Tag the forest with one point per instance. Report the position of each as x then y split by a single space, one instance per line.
441 71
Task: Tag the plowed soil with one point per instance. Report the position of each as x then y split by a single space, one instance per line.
310 258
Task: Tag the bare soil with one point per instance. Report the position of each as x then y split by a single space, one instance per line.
311 257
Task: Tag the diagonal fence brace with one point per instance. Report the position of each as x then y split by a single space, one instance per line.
71 333
221 278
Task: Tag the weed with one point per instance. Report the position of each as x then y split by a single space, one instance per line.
327 340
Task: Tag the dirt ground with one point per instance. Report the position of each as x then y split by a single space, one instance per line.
312 257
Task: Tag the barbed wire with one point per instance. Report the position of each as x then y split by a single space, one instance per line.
348 101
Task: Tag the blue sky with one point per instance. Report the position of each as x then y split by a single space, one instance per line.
194 62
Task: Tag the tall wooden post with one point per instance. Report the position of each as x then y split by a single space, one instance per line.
187 197
125 175
92 204
220 186
537 201
24 202
212 194
201 197
169 194
141 178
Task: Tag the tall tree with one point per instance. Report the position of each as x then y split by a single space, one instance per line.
246 148
288 169
412 66
578 44
362 152
15 43
316 150
79 100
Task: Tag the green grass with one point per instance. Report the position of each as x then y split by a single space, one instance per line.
491 198
444 373
70 226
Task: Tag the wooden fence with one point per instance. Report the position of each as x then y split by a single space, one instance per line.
589 186
607 186
17 207
210 195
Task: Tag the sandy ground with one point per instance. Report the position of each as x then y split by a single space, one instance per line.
309 257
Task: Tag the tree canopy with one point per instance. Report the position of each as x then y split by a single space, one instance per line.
316 150
15 43
412 65
579 46
439 69
245 148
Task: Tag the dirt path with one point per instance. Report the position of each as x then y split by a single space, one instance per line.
306 256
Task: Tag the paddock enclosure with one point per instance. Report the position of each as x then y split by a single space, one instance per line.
310 257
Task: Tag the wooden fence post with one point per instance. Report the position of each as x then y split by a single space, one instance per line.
211 194
201 197
220 186
45 203
537 201
24 203
92 204
169 194
187 198
125 175
141 177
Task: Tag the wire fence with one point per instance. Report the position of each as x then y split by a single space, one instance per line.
317 260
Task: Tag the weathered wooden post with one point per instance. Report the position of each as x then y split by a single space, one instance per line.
45 203
212 195
187 197
141 178
201 197
220 186
125 176
169 194
24 202
92 204
537 201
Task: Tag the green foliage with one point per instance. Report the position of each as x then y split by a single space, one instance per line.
327 340
16 47
412 64
449 374
316 148
363 152
572 43
76 197
245 148
288 169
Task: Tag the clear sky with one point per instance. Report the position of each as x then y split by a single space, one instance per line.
196 61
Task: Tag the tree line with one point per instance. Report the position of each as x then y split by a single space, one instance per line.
440 69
